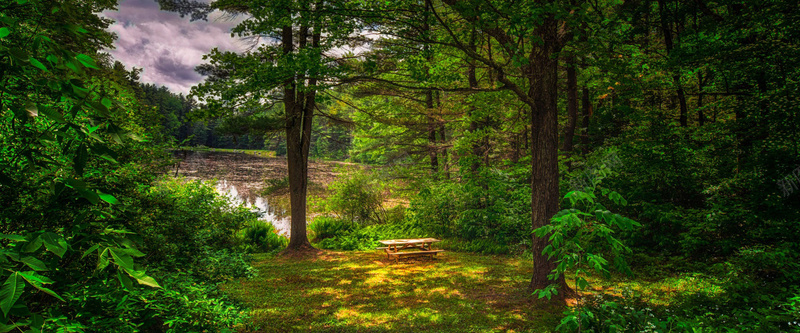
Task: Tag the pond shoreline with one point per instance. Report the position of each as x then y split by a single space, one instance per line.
244 179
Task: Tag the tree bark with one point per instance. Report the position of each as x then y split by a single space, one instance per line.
475 124
541 99
299 109
572 105
676 78
543 78
586 108
431 132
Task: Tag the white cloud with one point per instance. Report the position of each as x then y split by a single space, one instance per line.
165 45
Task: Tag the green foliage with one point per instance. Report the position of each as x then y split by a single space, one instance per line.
338 234
626 313
580 239
90 244
328 227
492 207
262 237
178 219
358 197
485 246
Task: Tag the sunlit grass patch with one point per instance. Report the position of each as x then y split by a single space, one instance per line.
455 292
658 292
362 291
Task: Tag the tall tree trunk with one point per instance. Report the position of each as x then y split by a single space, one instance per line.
683 118
586 108
572 105
431 131
475 124
299 108
676 78
445 156
701 117
442 137
543 78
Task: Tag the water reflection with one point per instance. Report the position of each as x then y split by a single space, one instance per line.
240 177
256 203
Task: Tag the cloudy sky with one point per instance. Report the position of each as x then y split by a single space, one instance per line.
167 46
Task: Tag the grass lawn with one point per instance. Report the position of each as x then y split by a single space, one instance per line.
363 292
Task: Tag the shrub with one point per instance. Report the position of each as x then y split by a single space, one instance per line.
338 234
605 313
324 227
180 218
492 206
262 237
358 197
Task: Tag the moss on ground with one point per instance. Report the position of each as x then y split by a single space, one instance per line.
363 292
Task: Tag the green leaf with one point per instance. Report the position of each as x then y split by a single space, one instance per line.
90 250
10 292
37 64
7 328
87 61
51 113
133 252
124 280
4 32
89 195
148 281
35 264
108 198
103 261
15 238
122 259
33 245
37 321
104 152
76 70
143 278
54 243
37 281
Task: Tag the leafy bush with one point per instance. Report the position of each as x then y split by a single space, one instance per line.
338 234
582 236
185 304
324 227
606 313
180 219
490 207
484 246
358 197
262 237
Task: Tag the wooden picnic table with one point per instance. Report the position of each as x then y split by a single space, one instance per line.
421 246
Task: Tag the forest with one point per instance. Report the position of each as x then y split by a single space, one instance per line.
586 166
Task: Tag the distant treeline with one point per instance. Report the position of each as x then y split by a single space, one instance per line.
179 126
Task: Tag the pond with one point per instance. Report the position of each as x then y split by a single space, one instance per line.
240 178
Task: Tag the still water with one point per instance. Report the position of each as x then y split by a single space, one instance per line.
240 178
257 204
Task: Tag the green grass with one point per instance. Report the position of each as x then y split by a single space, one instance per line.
363 292
456 292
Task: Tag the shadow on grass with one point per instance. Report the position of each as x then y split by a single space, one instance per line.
363 292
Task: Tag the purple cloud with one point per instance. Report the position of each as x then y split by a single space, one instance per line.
165 45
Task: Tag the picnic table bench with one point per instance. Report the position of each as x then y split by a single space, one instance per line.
421 246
